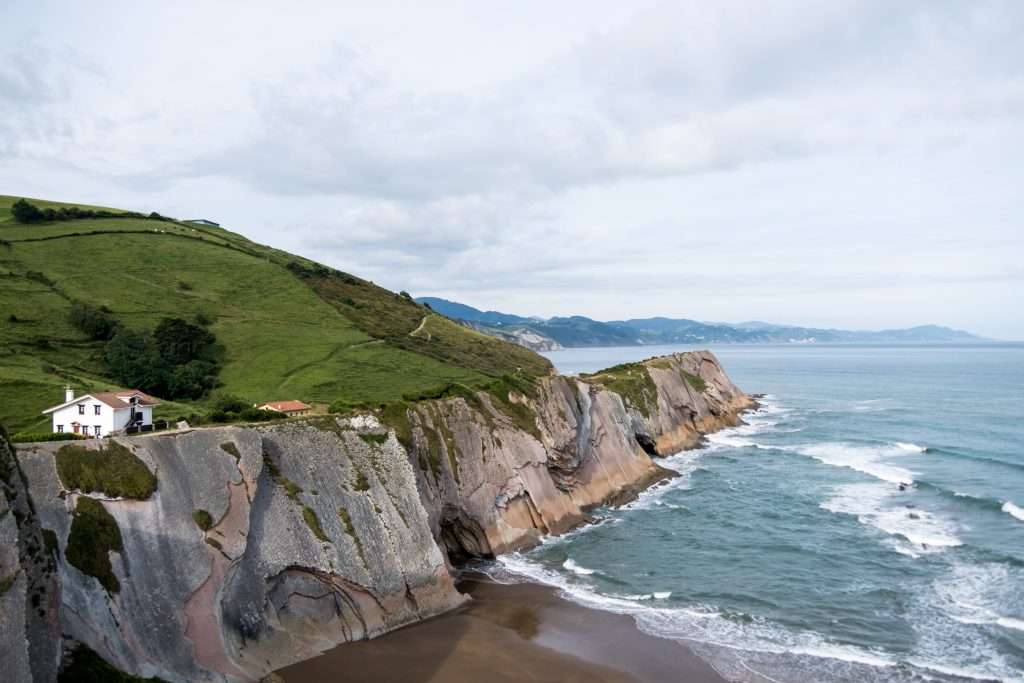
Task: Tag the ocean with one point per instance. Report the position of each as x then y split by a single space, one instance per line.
867 524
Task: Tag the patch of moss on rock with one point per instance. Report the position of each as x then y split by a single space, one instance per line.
631 381
94 535
521 414
374 439
112 470
230 447
346 519
85 666
694 381
396 416
203 519
50 540
7 582
362 483
313 522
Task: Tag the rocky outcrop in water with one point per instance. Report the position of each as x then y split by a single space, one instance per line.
265 545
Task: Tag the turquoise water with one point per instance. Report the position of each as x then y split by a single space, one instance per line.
786 549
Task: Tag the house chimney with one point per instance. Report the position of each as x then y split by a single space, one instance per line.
69 393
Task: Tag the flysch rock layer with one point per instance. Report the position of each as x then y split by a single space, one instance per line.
328 530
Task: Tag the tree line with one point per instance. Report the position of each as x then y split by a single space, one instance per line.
27 212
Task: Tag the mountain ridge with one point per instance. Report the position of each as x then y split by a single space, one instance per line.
580 331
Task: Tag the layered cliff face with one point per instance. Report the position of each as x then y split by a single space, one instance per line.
261 546
490 486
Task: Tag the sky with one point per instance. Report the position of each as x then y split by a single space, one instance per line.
841 164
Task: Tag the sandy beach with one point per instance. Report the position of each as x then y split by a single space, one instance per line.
520 632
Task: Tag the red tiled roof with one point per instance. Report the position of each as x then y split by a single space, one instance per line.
285 406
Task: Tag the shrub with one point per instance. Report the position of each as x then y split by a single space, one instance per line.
94 534
38 437
113 470
230 403
95 322
85 666
24 212
203 519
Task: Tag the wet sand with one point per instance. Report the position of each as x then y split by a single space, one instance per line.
507 633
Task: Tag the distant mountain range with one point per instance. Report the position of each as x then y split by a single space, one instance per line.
545 334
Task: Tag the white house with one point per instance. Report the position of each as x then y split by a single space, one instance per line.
102 414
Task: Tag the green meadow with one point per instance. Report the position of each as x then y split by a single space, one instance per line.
289 328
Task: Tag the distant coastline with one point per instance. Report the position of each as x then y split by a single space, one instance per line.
551 334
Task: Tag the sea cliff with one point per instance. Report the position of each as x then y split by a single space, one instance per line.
261 546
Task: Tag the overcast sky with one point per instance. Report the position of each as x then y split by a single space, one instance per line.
849 164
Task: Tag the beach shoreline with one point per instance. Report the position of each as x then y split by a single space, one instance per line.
506 633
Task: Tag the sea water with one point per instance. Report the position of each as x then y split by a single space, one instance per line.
867 524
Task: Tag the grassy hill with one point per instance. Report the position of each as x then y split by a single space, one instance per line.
289 327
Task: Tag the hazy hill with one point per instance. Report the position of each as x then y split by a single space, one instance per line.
577 331
289 328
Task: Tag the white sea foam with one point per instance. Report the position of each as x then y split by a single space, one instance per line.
864 459
696 624
571 565
730 641
974 595
1014 511
878 505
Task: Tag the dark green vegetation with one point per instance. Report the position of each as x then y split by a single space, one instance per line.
227 408
632 381
85 666
694 381
313 522
176 360
94 534
284 327
202 519
36 437
113 470
346 520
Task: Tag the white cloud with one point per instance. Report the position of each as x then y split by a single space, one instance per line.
816 163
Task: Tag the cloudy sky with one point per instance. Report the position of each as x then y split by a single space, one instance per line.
853 164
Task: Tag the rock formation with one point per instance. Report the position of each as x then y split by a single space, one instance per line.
269 544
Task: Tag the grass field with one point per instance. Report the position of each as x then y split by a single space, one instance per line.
289 327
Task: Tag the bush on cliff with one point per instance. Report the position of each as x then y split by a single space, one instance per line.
38 437
83 665
94 535
112 470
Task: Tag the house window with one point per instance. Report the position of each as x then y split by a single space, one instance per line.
60 429
81 409
97 408
97 428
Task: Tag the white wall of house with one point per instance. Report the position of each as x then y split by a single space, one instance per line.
90 415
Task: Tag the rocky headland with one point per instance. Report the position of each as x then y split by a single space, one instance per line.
256 547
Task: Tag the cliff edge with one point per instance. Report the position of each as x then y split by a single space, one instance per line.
222 554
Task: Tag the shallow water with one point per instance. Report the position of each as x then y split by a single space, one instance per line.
787 550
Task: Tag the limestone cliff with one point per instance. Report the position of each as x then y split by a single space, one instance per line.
265 545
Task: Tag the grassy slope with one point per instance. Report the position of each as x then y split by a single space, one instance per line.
318 336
